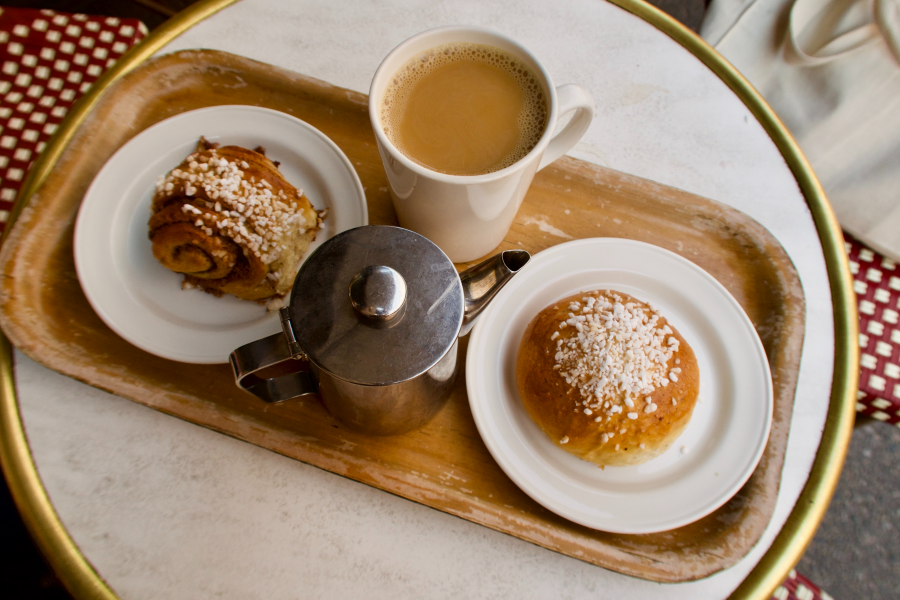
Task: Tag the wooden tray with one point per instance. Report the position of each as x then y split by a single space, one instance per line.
45 314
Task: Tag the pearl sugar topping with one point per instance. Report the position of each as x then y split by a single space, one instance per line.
619 354
244 209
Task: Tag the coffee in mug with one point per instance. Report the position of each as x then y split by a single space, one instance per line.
464 109
463 118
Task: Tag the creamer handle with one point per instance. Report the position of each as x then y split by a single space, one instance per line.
269 351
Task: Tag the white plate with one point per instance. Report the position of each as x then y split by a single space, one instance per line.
724 439
143 301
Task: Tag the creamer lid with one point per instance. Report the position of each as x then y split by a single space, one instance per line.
376 305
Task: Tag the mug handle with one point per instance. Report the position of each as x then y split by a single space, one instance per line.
571 97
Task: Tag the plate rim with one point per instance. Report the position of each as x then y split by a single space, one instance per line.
482 420
81 229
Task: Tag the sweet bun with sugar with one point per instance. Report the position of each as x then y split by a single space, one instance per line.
231 223
607 378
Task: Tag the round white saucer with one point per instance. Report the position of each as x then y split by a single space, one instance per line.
143 301
728 431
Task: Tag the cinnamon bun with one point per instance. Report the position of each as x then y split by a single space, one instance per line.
231 223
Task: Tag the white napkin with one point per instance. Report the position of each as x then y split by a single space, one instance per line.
831 70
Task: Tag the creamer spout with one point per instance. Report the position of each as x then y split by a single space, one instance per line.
482 282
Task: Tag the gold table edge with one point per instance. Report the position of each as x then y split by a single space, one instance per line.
84 582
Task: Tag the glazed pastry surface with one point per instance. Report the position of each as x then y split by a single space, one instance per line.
607 378
231 223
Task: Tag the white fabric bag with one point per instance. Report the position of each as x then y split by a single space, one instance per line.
831 71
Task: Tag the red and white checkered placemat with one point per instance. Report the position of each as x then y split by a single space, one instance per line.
876 281
47 61
798 587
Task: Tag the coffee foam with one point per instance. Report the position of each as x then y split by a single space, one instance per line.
532 121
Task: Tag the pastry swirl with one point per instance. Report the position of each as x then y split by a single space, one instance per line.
607 378
231 223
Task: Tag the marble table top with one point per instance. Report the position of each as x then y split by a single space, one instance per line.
167 509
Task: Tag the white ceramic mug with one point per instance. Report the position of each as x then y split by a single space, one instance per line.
468 216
